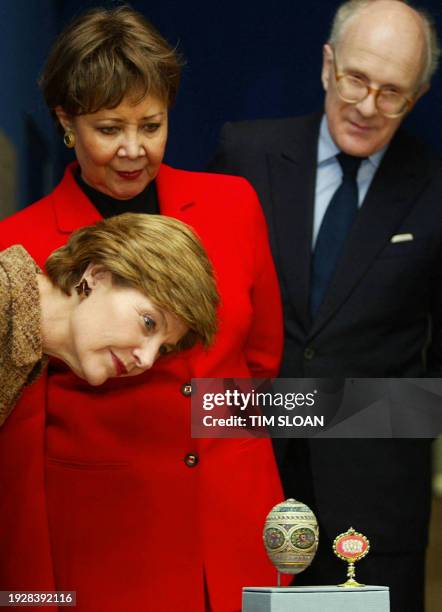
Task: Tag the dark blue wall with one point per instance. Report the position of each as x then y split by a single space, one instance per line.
245 59
26 31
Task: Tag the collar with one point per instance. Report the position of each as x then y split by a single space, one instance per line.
327 149
107 206
73 209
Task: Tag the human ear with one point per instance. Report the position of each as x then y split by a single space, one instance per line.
96 274
327 64
422 91
64 119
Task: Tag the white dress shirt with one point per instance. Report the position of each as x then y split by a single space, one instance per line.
329 175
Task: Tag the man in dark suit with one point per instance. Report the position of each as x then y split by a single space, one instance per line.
354 209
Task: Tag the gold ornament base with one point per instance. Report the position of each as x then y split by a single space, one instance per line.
351 582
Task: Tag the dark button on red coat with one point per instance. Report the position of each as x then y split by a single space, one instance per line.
191 460
186 389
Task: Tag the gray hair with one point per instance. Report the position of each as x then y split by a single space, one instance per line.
351 8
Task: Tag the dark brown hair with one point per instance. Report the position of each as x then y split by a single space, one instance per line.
105 55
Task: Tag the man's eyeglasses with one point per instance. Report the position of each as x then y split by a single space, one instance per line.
353 90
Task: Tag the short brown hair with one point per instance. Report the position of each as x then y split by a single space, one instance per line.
103 56
160 256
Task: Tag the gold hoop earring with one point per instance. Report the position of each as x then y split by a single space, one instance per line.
69 139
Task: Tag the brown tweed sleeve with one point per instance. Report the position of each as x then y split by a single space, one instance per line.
21 358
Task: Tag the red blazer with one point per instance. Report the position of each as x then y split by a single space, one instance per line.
95 491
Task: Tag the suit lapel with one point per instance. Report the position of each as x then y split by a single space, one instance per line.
292 187
393 191
175 194
70 218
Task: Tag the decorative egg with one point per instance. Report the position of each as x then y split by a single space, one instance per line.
291 536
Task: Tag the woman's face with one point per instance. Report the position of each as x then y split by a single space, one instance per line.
117 331
120 150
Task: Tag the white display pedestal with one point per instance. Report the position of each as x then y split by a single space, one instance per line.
316 599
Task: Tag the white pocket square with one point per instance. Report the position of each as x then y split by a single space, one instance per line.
402 238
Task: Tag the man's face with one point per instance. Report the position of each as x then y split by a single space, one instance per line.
383 56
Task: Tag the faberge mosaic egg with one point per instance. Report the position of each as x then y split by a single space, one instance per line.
291 536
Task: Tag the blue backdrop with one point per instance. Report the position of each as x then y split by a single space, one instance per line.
245 59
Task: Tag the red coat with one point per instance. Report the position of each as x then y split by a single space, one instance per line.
95 492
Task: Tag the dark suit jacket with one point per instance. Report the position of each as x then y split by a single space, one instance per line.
374 322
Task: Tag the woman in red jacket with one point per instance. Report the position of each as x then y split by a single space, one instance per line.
109 494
